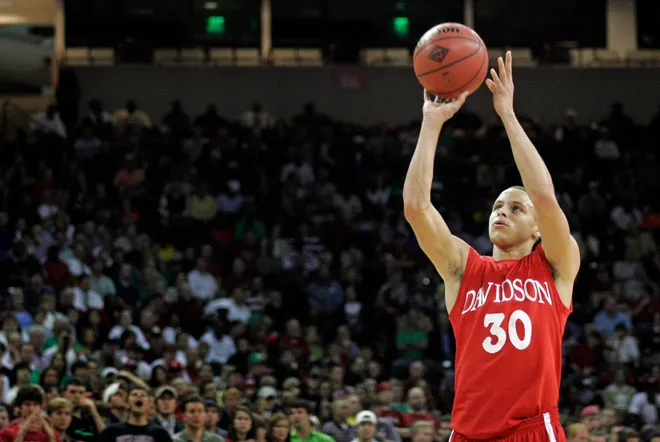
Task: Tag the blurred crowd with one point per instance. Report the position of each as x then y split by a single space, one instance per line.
205 278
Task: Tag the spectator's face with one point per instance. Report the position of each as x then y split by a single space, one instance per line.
366 430
242 422
30 407
445 428
608 418
416 399
581 435
298 418
23 375
27 353
61 419
597 438
385 397
424 434
194 415
138 401
74 393
592 422
281 430
210 390
166 404
125 319
353 404
212 418
231 402
4 419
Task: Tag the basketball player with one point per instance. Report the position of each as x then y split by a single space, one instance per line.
508 311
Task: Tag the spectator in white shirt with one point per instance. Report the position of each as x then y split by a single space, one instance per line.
237 309
644 405
625 345
84 298
126 323
202 283
221 345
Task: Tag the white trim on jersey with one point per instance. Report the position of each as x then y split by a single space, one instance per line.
548 427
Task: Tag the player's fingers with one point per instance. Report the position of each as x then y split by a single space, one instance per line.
490 85
496 78
461 98
509 66
501 70
427 96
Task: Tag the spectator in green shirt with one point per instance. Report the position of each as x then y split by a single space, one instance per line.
300 417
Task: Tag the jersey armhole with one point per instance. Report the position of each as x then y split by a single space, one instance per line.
547 267
474 259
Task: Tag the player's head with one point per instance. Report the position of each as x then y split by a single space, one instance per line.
512 221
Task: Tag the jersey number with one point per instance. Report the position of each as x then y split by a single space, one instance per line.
495 343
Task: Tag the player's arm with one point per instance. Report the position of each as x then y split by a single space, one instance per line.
447 253
560 247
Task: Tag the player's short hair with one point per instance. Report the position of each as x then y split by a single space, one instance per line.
58 403
419 425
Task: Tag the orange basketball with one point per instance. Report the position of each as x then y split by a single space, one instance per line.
450 58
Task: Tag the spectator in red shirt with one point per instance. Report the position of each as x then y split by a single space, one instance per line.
417 403
33 427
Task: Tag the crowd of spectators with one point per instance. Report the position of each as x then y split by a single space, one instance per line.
255 278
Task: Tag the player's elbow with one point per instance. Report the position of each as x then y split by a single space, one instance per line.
414 210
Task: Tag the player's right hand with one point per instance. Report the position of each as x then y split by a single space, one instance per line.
438 111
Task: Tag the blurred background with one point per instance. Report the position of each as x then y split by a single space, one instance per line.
206 196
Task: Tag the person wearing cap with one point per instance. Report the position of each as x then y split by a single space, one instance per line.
114 396
300 417
365 425
590 416
194 416
266 401
166 401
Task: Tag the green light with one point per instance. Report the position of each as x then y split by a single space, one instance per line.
401 26
215 25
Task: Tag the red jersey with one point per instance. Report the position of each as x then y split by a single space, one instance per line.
509 321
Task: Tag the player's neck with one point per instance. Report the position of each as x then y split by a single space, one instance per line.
512 253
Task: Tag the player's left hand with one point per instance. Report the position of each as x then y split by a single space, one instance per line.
501 85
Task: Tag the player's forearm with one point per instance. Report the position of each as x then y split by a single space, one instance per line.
533 171
417 187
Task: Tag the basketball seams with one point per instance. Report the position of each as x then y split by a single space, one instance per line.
483 60
452 63
451 37
436 75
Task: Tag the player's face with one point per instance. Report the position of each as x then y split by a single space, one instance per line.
512 221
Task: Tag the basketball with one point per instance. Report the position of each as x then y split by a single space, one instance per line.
450 58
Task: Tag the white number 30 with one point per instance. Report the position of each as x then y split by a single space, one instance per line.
495 320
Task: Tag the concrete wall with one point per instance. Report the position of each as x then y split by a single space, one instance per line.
366 95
